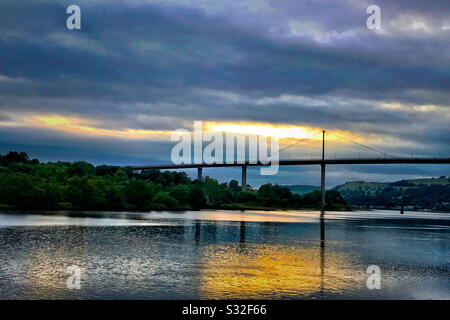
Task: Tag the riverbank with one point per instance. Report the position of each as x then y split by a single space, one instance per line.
231 207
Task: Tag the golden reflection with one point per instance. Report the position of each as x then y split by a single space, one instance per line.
47 274
260 216
275 271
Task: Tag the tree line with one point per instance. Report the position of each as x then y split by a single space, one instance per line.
435 197
30 184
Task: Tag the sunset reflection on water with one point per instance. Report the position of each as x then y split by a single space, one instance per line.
270 271
214 255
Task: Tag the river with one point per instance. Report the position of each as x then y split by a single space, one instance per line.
217 254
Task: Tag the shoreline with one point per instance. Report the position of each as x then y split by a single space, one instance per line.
31 211
96 213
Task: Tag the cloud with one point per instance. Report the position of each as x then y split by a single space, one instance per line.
155 66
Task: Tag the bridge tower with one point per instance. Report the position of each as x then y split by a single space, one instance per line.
322 176
244 177
200 173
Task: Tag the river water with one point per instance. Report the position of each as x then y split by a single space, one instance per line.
225 254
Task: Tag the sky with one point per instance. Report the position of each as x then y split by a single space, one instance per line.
114 91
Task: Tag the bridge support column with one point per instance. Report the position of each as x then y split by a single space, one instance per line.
244 178
322 188
199 173
322 176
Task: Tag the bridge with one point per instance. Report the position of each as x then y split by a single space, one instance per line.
387 159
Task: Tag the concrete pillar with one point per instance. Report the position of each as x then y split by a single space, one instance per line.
322 176
322 188
244 178
199 173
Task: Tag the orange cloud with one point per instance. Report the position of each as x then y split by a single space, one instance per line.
82 127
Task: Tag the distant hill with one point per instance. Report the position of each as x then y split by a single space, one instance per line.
302 189
419 194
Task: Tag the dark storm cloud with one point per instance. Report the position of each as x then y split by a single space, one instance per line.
159 65
128 54
48 145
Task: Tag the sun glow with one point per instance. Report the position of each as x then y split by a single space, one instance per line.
83 127
279 131
290 133
287 133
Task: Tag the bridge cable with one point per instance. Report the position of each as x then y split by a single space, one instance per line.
300 141
362 145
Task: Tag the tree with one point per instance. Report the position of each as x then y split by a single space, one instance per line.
115 198
34 185
247 197
80 193
139 193
198 197
334 200
271 195
234 186
18 189
81 168
181 193
120 176
165 199
105 170
13 157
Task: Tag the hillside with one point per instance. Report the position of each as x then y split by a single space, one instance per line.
417 194
302 189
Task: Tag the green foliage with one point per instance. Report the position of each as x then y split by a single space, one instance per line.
234 186
81 169
105 170
165 199
139 193
197 197
13 157
181 193
432 194
30 184
120 176
247 197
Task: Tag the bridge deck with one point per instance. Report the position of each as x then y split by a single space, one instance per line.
303 162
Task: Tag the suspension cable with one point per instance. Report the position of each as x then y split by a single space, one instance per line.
362 145
300 141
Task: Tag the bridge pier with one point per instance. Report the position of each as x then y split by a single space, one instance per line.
322 176
322 188
199 173
244 178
